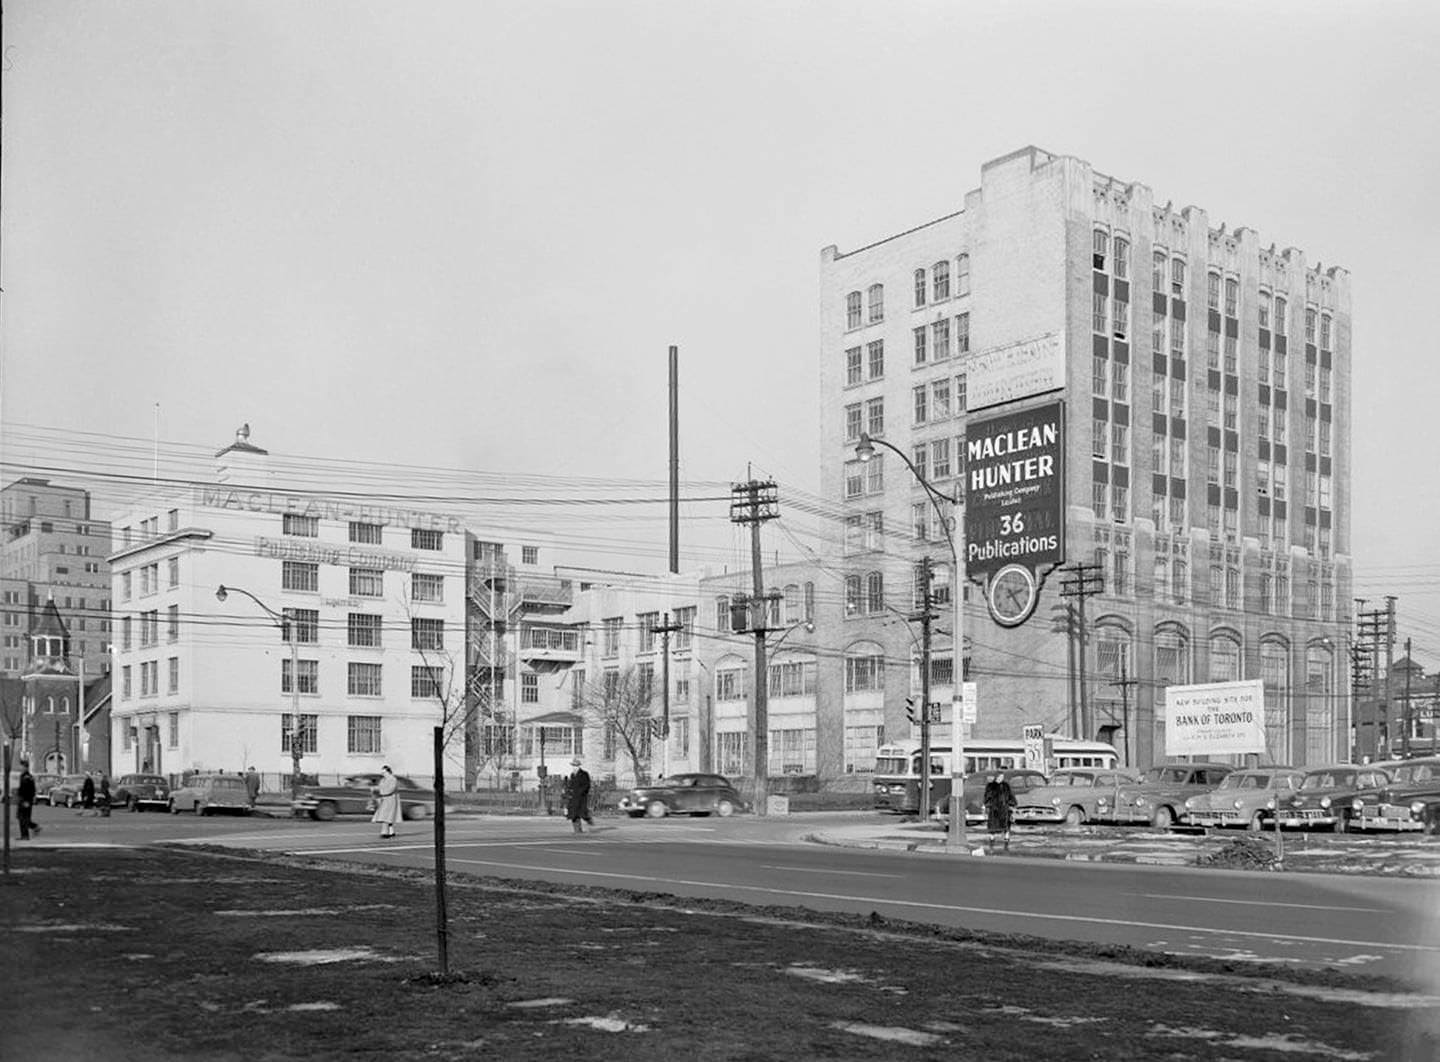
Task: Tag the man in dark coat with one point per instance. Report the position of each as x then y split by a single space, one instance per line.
999 801
577 796
25 801
87 793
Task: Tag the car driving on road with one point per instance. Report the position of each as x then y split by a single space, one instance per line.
355 795
683 794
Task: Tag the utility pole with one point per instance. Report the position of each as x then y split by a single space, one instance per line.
753 503
1389 660
1081 581
1064 623
1368 632
926 574
1125 682
665 629
1405 715
674 460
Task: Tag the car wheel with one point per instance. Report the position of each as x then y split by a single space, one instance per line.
724 809
1163 818
656 809
325 810
415 812
1075 816
1257 822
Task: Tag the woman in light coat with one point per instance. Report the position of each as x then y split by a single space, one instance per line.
387 803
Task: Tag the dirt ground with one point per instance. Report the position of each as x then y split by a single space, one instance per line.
116 955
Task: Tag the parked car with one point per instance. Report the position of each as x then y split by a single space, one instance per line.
1074 795
48 781
1158 799
207 793
683 794
63 793
140 791
1244 798
1326 796
1409 803
1021 779
355 796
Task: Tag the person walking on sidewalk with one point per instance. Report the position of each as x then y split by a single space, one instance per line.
87 793
999 805
25 801
252 785
387 802
577 796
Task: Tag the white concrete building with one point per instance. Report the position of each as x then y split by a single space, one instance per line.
373 596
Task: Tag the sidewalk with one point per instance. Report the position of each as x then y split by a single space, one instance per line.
1401 856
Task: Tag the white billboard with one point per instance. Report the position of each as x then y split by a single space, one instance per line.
1215 719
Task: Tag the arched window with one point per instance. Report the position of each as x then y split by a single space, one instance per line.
962 275
940 280
864 668
853 310
1275 675
852 595
920 288
1224 657
875 592
792 603
877 302
1320 706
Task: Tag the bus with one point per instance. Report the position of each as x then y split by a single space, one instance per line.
897 765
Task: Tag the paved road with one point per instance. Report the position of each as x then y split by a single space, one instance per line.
1369 924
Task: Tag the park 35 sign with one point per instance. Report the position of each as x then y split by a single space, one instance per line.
1015 507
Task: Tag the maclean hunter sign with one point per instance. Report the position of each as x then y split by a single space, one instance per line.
1015 506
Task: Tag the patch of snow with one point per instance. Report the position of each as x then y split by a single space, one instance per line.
320 1005
829 977
894 1033
320 957
74 927
137 956
547 1001
304 911
1281 1043
607 1024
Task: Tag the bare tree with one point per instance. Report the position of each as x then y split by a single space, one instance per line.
12 708
620 702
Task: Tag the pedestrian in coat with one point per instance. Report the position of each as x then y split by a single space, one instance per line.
25 801
87 793
577 796
999 802
387 802
102 799
252 785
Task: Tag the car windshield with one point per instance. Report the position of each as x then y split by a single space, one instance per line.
1166 775
360 779
1232 781
1254 781
1077 780
1328 780
146 779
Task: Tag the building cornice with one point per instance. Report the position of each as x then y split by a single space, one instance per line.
164 540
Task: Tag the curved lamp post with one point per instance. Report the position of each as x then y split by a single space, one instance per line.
293 637
954 527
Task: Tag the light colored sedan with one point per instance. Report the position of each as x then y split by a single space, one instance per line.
1245 798
208 793
1073 796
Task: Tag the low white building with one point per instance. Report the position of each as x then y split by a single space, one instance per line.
342 628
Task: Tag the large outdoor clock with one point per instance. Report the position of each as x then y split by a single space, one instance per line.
1012 595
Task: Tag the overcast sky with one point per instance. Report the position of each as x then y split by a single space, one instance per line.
464 234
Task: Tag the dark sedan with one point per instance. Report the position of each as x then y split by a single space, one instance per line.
140 791
355 795
1326 796
65 791
683 794
1158 799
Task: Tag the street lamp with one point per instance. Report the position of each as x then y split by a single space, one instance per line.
954 527
293 637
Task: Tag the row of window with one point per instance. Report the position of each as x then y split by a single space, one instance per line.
150 578
150 527
868 307
304 577
361 532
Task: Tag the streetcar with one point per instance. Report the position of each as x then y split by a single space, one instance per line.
897 765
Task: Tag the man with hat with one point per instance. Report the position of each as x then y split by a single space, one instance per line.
25 801
577 796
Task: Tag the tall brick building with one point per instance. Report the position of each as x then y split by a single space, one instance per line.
1205 381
